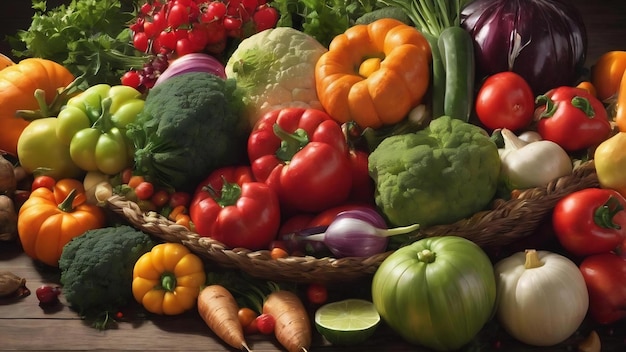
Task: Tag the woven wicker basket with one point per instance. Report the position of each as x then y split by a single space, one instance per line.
505 223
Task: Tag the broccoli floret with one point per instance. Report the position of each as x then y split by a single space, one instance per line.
191 124
438 175
97 269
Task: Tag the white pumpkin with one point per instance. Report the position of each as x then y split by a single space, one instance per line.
541 297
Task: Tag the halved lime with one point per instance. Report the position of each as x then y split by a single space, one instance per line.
347 322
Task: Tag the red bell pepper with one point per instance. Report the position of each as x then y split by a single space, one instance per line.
590 221
362 184
604 275
232 208
572 118
302 155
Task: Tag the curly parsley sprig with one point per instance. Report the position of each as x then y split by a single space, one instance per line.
86 36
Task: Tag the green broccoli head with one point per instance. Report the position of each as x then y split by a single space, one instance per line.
191 124
438 175
97 268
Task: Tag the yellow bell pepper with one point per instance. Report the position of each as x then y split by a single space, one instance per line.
610 162
167 280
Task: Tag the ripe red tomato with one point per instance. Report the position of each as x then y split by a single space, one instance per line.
232 23
167 39
215 11
265 17
177 16
43 181
505 100
131 78
179 198
184 47
141 41
198 37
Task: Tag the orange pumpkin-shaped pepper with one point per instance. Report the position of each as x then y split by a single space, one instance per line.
17 92
5 61
374 74
50 218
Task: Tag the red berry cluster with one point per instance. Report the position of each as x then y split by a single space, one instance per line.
185 26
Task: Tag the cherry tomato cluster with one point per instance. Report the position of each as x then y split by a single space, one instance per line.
254 323
172 204
186 26
173 28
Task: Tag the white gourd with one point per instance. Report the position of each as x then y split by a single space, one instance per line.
542 297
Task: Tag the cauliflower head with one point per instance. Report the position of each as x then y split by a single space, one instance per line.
276 69
439 175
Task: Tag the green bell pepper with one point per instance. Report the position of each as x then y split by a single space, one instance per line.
93 125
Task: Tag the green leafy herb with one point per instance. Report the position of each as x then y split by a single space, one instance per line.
322 19
88 37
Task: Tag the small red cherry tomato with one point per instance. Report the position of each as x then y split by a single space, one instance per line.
265 323
160 198
144 190
246 316
48 294
43 181
180 198
317 293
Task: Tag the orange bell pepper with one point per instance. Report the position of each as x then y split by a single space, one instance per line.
607 72
589 87
374 74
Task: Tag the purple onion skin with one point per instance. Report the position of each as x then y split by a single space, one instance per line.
359 243
557 50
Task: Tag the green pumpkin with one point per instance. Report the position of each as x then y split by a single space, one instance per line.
437 292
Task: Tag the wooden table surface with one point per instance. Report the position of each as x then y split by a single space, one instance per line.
25 326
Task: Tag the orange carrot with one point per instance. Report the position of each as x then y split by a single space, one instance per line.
218 308
293 327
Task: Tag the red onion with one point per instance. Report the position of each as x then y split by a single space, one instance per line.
358 233
192 62
544 41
